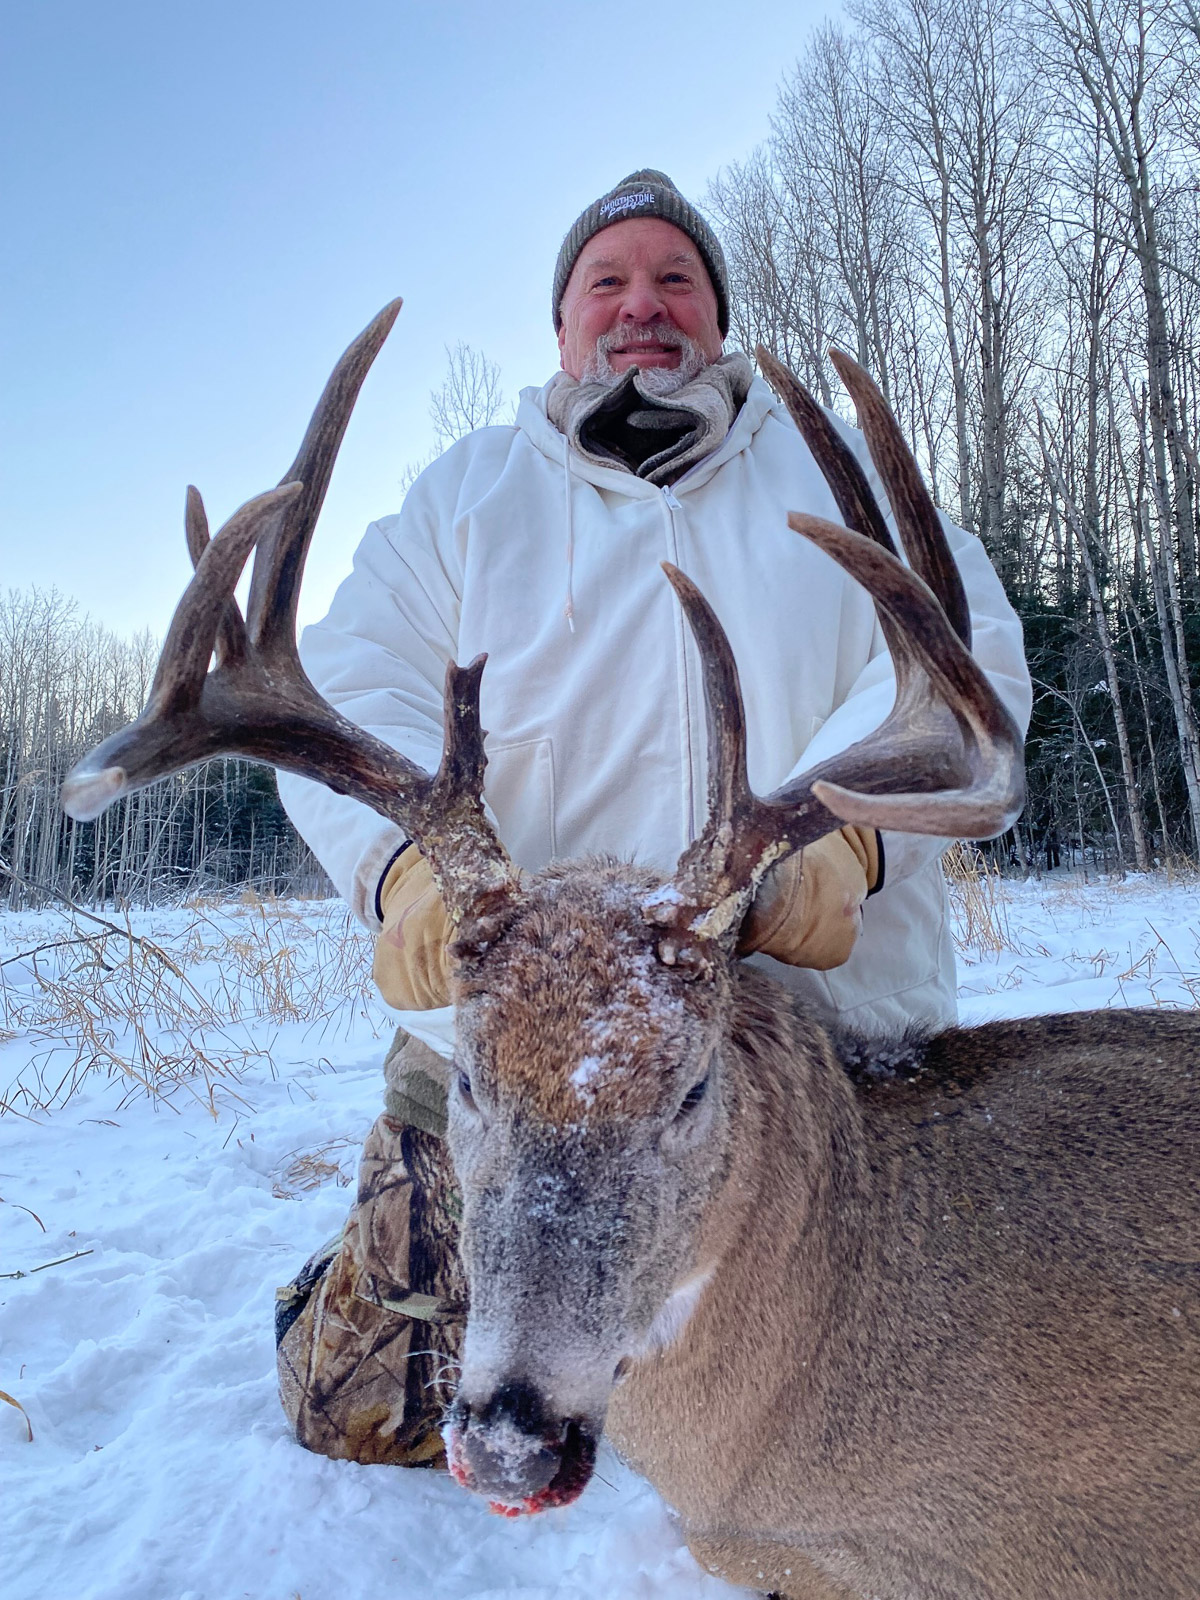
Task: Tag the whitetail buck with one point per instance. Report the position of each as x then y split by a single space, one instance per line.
913 1320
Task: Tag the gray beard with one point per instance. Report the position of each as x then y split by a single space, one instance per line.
658 381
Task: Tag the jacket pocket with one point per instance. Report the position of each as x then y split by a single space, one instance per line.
519 790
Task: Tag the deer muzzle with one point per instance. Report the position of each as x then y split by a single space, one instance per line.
511 1449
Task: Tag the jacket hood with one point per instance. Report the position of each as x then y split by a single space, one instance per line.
533 422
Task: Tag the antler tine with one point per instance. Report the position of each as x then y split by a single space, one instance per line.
474 874
188 648
715 876
845 477
912 506
838 463
175 730
728 784
841 471
463 763
279 563
195 524
938 683
231 630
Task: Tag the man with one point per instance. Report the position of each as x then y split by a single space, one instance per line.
541 544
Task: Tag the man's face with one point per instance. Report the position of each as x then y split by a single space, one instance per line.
634 281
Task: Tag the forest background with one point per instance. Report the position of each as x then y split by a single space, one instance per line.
996 208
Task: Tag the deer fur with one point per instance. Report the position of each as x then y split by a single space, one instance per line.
916 1321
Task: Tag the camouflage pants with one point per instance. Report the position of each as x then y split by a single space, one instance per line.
369 1332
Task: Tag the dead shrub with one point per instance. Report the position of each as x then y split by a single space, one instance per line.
977 899
178 1013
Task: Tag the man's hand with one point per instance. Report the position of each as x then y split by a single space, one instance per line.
410 969
808 911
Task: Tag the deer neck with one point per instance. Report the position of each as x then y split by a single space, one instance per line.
797 1197
781 1261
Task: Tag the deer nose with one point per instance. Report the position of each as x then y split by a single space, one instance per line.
515 1453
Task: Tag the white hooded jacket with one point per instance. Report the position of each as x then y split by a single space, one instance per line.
596 727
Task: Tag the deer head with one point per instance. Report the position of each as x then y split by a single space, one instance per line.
592 1114
587 1131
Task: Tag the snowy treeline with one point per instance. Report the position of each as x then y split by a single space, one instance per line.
65 683
993 205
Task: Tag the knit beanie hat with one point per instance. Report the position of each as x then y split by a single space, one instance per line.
643 194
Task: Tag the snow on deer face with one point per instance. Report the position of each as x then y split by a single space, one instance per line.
588 1129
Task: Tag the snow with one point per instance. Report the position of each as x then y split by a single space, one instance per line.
582 1078
1072 946
161 1467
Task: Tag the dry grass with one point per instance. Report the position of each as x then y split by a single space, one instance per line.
177 1014
9 1400
981 926
1159 964
302 1171
279 963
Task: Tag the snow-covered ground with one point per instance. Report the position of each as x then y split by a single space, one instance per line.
141 1240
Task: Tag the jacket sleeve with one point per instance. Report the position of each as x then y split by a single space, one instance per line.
380 657
996 642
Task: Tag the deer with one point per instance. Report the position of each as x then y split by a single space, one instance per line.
882 1319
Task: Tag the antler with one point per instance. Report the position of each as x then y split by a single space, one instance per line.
257 700
948 758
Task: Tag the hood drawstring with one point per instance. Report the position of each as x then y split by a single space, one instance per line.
569 608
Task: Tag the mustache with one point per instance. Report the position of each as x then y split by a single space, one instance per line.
629 338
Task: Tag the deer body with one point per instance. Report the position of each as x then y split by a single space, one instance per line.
951 1349
918 1321
917 1324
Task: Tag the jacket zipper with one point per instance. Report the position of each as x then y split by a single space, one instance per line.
689 782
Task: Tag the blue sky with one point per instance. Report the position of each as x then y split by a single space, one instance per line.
204 203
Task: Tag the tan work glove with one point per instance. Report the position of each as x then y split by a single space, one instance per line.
410 968
807 912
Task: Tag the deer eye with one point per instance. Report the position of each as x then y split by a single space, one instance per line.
694 1095
464 1090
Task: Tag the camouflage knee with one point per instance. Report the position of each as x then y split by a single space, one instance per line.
369 1332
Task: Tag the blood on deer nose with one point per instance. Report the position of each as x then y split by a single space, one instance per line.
513 1452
